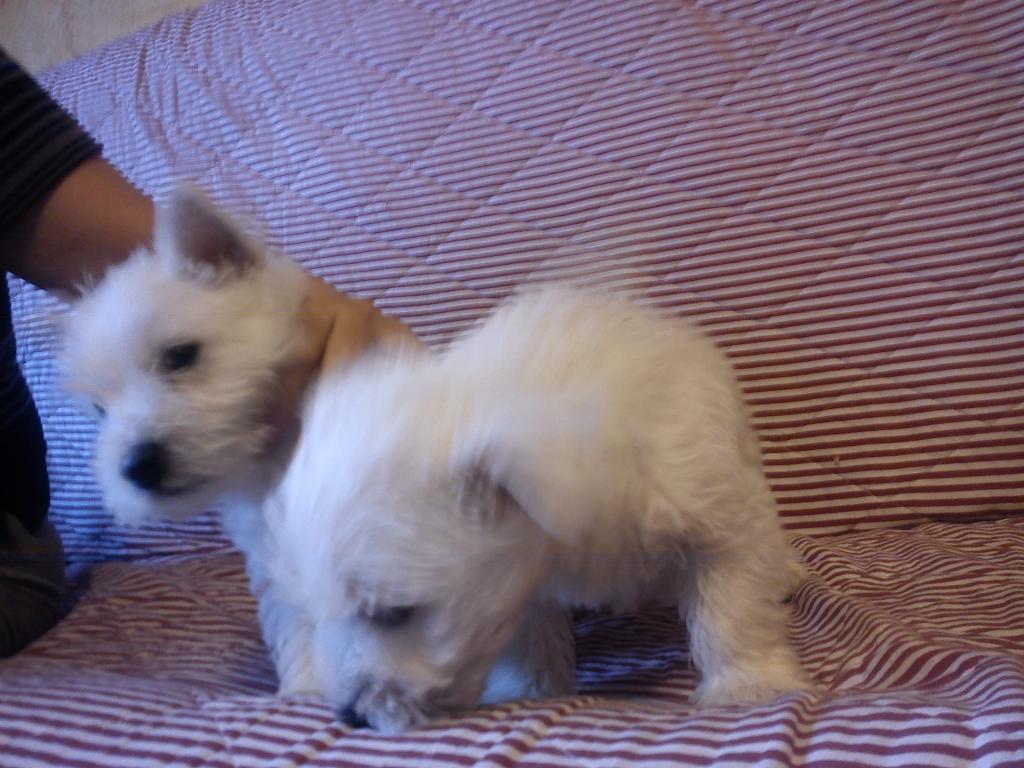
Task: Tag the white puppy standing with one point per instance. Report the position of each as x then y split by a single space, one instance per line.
574 451
183 349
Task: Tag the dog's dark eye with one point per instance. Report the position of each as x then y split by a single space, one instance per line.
100 410
392 617
180 356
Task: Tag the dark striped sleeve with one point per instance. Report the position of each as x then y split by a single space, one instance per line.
40 143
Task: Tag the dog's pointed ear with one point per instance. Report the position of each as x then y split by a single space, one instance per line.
539 459
201 240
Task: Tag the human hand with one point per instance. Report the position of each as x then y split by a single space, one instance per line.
335 330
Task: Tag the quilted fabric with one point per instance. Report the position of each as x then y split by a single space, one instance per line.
835 191
913 635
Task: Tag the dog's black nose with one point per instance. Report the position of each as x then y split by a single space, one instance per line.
351 718
146 465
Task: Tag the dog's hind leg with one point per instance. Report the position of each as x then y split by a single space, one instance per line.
738 623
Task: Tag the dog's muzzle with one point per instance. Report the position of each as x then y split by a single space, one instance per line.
146 466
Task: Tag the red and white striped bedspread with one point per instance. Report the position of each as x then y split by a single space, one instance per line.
915 636
833 189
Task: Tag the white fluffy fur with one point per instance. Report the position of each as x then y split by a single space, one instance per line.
576 450
204 281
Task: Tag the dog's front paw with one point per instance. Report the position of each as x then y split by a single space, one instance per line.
557 684
298 688
540 662
298 679
538 677
751 683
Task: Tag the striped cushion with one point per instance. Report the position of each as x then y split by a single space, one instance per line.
916 637
835 191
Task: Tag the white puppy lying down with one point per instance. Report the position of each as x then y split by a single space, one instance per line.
441 514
